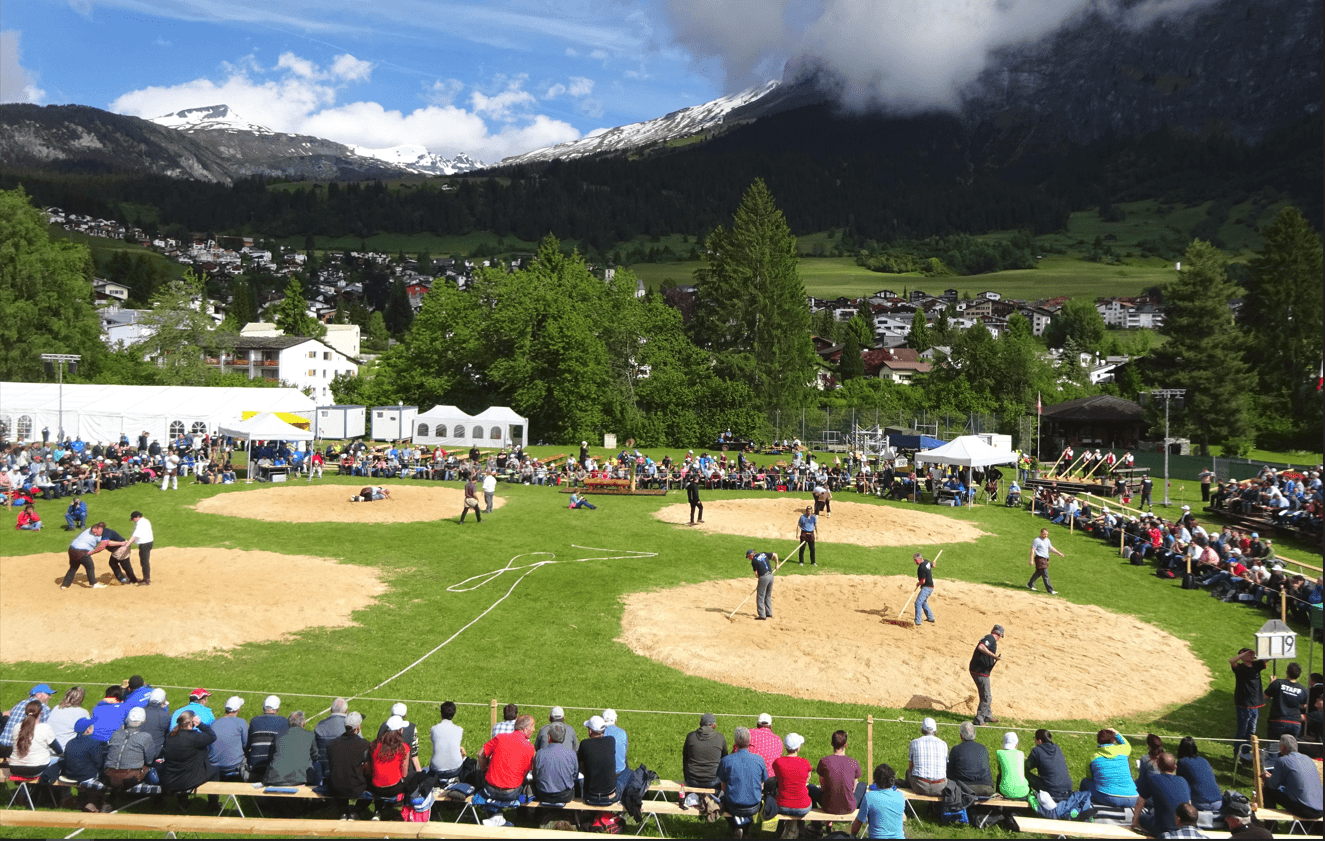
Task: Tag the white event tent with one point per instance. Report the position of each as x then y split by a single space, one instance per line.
264 426
967 451
448 426
101 413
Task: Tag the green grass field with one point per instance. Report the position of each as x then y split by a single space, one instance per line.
555 640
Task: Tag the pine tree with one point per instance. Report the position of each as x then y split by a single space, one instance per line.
851 366
1281 314
1203 353
919 338
292 314
750 303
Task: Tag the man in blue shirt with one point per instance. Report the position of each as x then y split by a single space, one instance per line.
81 550
808 524
883 808
1165 791
741 776
764 564
622 742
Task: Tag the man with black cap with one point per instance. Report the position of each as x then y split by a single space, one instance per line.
1236 813
704 748
982 663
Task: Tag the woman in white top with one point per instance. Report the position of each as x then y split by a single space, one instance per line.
35 746
63 718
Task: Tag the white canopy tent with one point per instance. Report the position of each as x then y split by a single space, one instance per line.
264 426
967 451
448 426
102 413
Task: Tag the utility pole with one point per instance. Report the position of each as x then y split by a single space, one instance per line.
58 361
1167 394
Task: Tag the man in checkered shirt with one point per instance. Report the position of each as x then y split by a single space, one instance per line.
927 772
509 714
41 693
764 742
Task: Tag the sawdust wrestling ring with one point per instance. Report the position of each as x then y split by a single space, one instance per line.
852 522
297 503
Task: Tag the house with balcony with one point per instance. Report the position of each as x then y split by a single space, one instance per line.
297 361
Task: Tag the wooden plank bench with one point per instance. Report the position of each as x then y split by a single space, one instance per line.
126 822
1079 829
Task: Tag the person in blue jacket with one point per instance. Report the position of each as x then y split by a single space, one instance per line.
1110 782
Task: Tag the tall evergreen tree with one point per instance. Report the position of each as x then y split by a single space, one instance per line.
1203 353
750 309
1282 314
399 315
851 366
292 314
919 339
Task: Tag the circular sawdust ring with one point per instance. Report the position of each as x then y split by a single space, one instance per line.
185 611
297 503
852 522
828 641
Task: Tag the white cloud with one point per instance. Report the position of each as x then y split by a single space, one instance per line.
17 83
504 104
442 91
300 97
590 107
555 91
571 53
580 86
600 55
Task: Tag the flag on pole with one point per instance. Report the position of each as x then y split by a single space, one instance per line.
1039 410
1320 380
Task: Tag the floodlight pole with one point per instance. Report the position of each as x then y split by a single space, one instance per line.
60 360
1167 394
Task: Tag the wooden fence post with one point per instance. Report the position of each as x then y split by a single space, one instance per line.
1256 769
869 747
492 712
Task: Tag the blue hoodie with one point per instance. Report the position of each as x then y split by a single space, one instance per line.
1111 769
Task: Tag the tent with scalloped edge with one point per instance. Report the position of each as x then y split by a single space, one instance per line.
967 451
448 426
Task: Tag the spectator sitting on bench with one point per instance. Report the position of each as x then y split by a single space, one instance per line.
927 767
968 762
1110 781
1200 777
128 754
347 756
883 808
597 761
294 756
1046 767
448 755
840 790
84 758
185 765
793 775
741 776
1164 791
1012 770
1294 784
702 752
506 759
556 767
227 752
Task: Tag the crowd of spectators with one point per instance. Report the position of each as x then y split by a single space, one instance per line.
1289 499
132 737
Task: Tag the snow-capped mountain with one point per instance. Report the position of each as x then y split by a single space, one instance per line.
418 159
209 118
677 124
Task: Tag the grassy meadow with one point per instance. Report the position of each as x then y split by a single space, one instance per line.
555 640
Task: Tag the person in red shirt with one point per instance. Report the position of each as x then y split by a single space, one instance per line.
506 760
793 775
389 765
764 742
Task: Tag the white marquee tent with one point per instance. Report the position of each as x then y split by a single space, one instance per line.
264 426
101 413
967 451
448 426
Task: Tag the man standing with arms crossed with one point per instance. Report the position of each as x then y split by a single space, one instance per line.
925 584
142 536
1040 549
808 523
982 663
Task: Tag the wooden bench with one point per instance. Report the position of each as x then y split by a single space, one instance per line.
173 824
231 792
1079 829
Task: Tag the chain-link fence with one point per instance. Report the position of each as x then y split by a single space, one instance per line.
831 429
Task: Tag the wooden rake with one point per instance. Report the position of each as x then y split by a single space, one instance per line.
899 621
731 616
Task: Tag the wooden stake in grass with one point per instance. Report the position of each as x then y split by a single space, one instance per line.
756 589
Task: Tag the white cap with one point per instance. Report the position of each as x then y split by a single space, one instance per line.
272 702
794 741
609 716
395 722
595 723
137 715
233 703
1009 740
557 712
929 725
764 718
399 709
157 696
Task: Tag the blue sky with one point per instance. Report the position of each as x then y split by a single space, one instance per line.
501 77
490 79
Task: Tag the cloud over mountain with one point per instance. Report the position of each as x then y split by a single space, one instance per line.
299 96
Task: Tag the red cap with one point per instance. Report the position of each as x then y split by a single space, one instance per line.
199 693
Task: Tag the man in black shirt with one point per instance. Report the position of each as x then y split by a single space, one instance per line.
1147 486
968 762
982 663
692 496
1288 701
1248 698
597 756
925 586
119 556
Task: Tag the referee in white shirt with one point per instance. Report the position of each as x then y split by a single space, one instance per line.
1040 549
142 535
